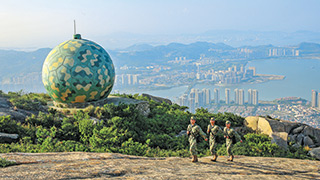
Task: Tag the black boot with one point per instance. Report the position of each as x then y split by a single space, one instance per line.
214 157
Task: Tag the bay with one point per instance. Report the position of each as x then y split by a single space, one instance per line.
302 76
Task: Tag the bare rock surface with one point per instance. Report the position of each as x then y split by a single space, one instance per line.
8 138
299 133
157 99
81 165
315 152
280 138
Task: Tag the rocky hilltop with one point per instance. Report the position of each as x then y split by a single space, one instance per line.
81 165
284 133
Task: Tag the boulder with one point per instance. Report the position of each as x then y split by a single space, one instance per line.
4 103
157 99
267 126
315 152
307 141
312 132
292 138
251 122
300 138
16 115
296 146
142 106
264 126
8 138
289 125
298 130
280 138
182 133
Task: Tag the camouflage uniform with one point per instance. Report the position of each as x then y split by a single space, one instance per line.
195 131
230 133
213 131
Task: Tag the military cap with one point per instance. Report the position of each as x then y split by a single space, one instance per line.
228 122
193 118
212 119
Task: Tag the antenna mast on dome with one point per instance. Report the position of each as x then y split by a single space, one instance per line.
74 27
75 35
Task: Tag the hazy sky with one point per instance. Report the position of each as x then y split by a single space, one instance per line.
45 23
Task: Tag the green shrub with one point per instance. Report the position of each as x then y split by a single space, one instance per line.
5 163
29 101
123 129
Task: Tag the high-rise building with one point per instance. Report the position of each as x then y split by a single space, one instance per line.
254 70
250 96
183 100
135 79
200 99
193 93
198 76
192 105
241 96
207 96
227 92
216 96
124 79
319 100
255 97
130 80
314 99
235 68
236 96
241 68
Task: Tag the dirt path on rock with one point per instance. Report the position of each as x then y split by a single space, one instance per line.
81 165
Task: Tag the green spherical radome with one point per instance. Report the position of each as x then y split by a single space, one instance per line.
78 71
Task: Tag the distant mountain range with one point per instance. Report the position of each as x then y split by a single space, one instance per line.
233 38
16 62
142 54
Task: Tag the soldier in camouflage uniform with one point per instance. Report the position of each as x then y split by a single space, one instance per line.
212 132
194 131
230 135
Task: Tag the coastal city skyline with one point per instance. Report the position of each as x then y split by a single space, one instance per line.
248 57
147 89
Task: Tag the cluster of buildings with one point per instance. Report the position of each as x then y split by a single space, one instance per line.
233 75
253 96
202 98
315 99
126 80
283 52
291 112
196 98
24 78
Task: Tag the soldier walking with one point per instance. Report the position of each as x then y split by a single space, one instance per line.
194 131
230 134
213 130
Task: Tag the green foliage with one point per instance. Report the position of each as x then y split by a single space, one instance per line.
85 126
29 101
7 125
45 120
134 148
5 163
2 93
123 129
258 145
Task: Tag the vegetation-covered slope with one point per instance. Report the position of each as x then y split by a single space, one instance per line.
123 129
